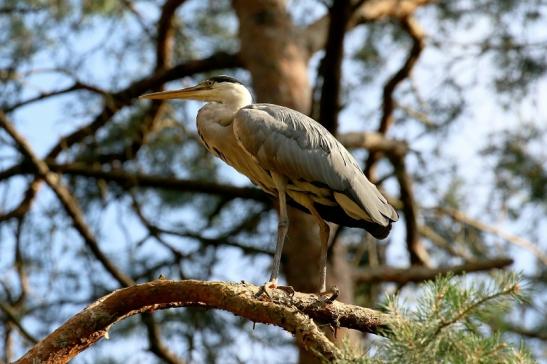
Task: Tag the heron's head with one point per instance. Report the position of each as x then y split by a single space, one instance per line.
222 89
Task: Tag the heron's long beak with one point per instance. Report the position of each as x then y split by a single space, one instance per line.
198 92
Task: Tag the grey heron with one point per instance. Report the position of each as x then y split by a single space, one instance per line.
289 156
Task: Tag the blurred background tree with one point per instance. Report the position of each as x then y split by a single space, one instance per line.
442 102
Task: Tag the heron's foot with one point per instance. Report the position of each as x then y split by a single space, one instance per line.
265 289
329 296
289 290
269 287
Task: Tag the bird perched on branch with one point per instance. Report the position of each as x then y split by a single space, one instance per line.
289 156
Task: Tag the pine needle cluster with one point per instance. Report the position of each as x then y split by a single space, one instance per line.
446 325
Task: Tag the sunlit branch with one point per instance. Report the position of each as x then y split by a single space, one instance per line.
297 314
315 34
374 142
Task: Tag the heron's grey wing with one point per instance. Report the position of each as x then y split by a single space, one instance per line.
291 143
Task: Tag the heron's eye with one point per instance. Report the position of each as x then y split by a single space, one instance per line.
209 83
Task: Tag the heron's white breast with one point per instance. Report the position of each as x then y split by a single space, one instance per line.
220 140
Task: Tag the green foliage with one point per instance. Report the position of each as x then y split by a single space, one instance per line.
447 324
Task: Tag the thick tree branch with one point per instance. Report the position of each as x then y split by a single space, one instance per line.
418 254
315 34
420 274
411 26
128 179
117 100
373 142
164 44
220 60
388 106
295 314
330 72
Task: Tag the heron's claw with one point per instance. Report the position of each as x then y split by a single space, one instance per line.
289 290
264 290
268 290
329 296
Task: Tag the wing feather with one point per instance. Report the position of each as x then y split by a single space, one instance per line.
291 143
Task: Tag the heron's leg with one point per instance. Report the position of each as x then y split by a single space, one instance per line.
282 225
324 234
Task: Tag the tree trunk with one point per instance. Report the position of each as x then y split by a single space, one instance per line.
278 62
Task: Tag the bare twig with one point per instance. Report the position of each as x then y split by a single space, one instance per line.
77 86
67 200
116 101
11 316
513 239
22 208
140 19
539 333
224 240
442 243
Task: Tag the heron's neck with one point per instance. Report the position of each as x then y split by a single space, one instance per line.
223 112
238 97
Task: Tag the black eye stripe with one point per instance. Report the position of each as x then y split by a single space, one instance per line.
223 78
